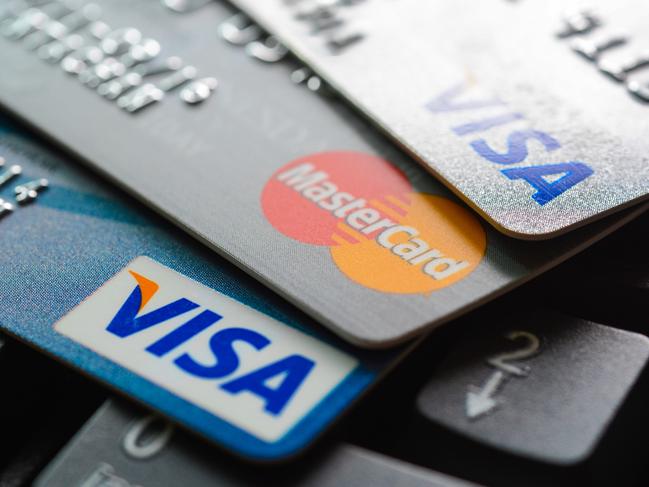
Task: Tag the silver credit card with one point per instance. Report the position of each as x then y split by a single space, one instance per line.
535 113
288 184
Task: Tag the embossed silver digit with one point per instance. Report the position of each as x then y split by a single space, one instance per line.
28 192
178 78
140 98
9 173
5 208
184 6
198 91
269 50
238 30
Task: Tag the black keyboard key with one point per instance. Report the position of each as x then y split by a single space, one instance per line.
534 386
122 447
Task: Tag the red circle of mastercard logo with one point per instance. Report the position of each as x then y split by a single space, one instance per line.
381 233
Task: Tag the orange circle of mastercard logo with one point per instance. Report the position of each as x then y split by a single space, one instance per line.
381 233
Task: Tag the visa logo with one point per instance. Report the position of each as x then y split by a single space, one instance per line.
549 180
130 320
227 358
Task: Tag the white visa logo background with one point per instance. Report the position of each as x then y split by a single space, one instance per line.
243 397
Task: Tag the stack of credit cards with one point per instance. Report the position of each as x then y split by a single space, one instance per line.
291 187
119 294
243 216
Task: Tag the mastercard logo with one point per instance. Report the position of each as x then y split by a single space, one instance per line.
380 232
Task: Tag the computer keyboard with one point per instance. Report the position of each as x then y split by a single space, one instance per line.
417 344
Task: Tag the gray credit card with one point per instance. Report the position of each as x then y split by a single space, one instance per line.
286 183
535 113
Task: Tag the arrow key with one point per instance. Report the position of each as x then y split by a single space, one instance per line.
534 387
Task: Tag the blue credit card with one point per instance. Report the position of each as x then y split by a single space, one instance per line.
102 284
